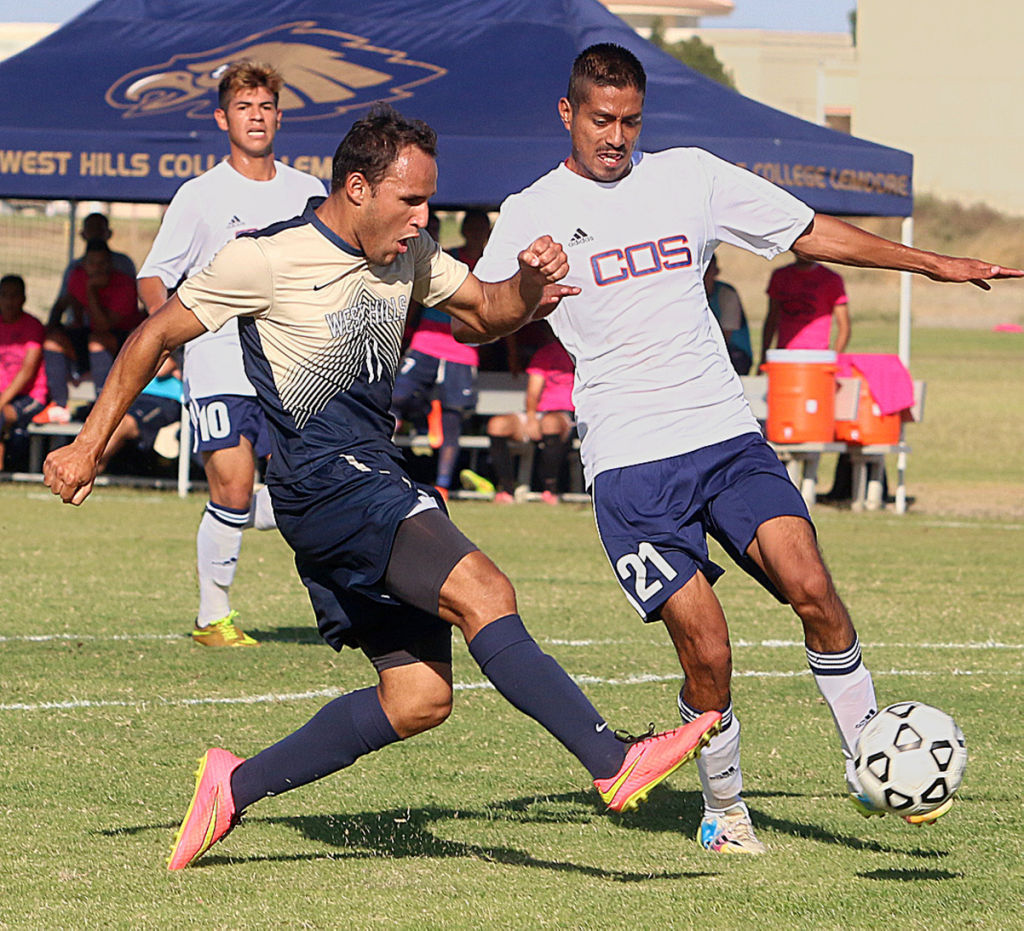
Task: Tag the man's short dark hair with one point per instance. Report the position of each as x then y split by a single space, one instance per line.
15 280
100 218
604 65
374 142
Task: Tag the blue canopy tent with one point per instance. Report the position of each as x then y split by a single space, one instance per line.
118 104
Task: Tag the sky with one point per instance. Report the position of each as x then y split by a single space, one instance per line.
801 15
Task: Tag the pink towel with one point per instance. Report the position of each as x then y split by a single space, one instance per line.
888 379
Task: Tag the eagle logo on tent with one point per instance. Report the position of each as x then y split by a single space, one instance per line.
325 72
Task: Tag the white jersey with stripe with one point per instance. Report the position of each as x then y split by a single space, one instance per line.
653 377
205 213
321 333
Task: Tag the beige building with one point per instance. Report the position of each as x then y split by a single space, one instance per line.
808 74
640 13
947 83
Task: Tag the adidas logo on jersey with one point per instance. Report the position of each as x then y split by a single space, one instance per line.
579 238
235 221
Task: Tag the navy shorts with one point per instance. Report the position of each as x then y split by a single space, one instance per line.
25 408
220 422
152 413
654 518
422 378
341 521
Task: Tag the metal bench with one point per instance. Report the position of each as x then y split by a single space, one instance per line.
868 462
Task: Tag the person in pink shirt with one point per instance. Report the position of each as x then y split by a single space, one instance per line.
803 301
105 303
22 381
437 375
548 421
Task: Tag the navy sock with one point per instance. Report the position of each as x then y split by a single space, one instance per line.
448 454
58 370
100 364
553 450
535 684
335 737
501 460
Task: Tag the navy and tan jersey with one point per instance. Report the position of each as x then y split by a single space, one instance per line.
321 332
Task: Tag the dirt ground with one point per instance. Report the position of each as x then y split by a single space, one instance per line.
965 500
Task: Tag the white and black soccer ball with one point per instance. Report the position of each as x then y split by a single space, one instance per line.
910 758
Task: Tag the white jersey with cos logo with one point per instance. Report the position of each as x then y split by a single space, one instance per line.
653 377
205 214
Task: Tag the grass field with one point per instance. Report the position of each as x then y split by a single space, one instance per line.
485 822
105 706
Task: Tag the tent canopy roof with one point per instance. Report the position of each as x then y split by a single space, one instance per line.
118 103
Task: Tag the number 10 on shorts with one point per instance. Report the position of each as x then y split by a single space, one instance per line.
210 421
638 565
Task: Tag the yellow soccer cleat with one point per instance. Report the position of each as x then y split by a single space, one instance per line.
223 633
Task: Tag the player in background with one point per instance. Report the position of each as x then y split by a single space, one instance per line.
248 191
321 302
670 449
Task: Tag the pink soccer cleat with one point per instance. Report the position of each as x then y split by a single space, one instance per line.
211 813
650 760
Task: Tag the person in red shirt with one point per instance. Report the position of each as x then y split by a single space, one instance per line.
105 303
22 382
803 301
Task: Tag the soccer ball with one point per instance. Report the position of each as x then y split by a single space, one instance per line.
910 758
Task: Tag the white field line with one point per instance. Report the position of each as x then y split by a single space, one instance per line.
559 642
788 644
46 638
972 525
274 698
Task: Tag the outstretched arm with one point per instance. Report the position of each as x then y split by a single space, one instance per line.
484 311
829 239
69 471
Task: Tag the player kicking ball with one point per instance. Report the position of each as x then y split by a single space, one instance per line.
671 452
321 302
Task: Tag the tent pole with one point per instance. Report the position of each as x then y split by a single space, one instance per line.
907 238
184 451
72 223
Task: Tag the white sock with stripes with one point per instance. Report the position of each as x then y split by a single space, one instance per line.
218 544
261 514
845 684
719 762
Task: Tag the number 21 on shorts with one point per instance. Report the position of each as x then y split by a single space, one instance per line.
638 565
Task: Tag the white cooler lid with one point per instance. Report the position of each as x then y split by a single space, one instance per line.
801 355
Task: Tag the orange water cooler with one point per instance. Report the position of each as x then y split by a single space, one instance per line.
871 426
801 395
